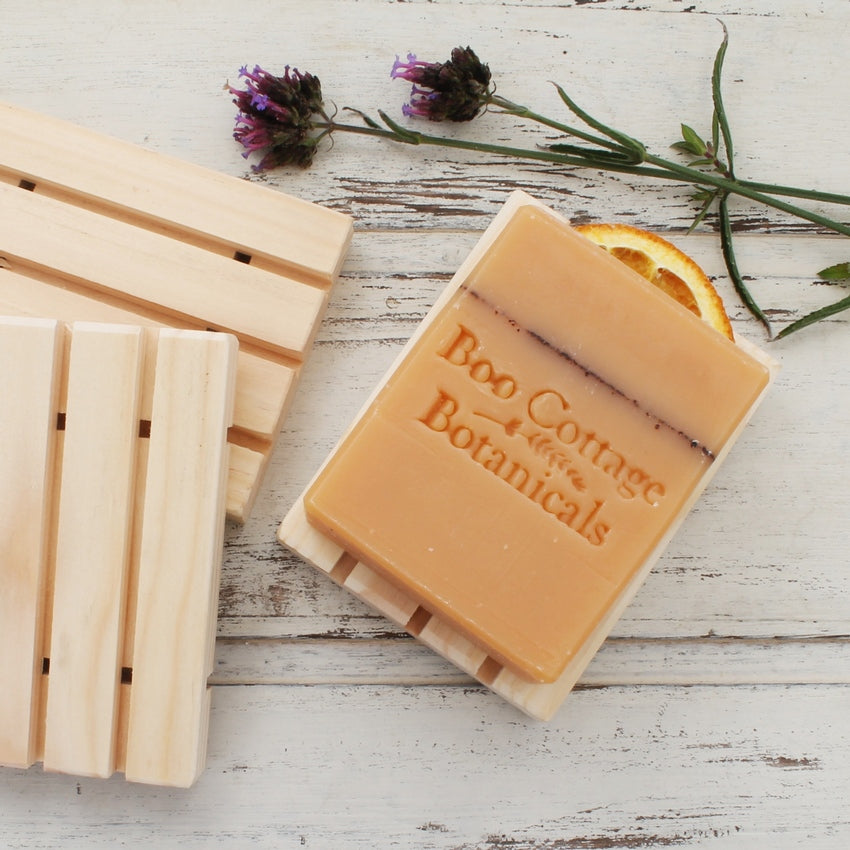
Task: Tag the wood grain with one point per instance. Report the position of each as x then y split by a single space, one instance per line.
27 451
179 558
86 169
92 548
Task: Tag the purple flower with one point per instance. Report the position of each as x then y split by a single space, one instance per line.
276 116
455 90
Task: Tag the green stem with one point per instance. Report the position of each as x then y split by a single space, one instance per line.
511 108
542 155
686 173
736 187
794 192
732 265
663 168
766 188
630 145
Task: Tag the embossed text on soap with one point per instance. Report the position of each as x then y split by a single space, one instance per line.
529 437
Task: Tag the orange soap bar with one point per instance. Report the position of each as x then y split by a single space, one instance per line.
536 444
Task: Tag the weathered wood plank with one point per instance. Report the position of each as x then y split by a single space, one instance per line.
398 660
592 48
481 776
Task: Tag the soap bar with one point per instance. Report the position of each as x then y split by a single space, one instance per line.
535 447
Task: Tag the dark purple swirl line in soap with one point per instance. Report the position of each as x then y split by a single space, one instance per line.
590 373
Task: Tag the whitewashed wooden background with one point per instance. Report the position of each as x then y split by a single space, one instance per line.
718 713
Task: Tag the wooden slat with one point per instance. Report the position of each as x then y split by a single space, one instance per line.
152 269
246 467
89 166
444 639
94 526
142 452
180 554
377 591
29 350
297 533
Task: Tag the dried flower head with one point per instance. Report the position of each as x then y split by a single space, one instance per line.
276 116
455 90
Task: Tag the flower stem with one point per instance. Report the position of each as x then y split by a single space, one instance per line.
759 192
734 186
511 108
794 192
728 183
658 167
543 155
732 266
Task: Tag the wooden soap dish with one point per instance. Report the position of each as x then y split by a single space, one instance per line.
538 699
113 473
96 229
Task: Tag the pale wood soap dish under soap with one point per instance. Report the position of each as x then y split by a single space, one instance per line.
523 464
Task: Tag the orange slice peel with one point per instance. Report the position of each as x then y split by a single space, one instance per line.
665 266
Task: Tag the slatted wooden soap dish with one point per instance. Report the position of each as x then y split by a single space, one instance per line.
154 317
96 229
113 465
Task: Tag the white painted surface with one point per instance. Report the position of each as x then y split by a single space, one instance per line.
717 715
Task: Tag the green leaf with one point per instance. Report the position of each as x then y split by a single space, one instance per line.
369 122
840 271
704 196
683 146
636 148
403 135
594 156
692 139
815 316
719 111
732 265
707 199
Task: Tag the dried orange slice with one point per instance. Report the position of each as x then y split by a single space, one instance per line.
665 266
